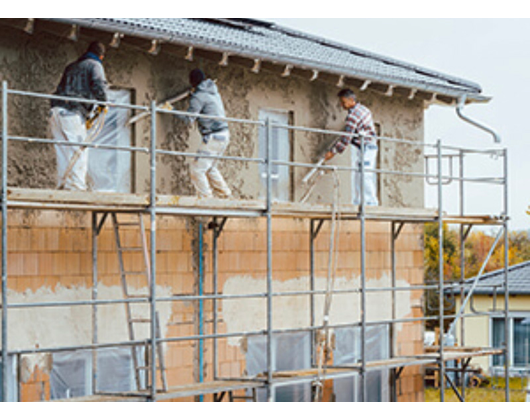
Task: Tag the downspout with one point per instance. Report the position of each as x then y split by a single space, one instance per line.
459 111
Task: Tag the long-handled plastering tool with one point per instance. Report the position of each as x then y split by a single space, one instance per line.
313 171
167 104
312 178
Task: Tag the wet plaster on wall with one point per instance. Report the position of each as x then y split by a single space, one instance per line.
31 64
293 312
72 326
403 120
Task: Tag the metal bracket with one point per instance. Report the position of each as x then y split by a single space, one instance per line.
217 227
314 233
395 233
101 223
467 232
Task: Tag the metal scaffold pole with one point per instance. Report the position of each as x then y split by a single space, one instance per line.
441 272
507 350
152 280
4 243
364 391
270 388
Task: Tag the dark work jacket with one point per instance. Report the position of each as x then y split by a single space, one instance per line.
85 78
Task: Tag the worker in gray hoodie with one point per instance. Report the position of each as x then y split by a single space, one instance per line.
206 100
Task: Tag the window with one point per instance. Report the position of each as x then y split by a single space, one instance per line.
281 151
291 351
521 342
110 170
519 335
71 374
348 350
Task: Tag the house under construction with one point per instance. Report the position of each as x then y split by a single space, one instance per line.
139 291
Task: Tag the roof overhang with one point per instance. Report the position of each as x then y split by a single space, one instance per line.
154 41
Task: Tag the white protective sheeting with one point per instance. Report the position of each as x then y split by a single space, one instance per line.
348 350
11 381
290 351
110 170
72 375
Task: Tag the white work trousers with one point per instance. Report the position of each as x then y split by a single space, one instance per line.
69 126
204 173
370 178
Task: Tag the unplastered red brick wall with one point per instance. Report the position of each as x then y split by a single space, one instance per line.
49 249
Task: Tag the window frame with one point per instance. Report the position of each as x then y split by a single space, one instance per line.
287 149
493 364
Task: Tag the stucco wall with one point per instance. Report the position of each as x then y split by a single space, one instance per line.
36 64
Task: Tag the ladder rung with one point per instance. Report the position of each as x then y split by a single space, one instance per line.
146 368
140 320
138 249
131 249
134 273
146 296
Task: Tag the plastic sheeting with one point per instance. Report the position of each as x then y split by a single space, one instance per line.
72 376
348 350
290 351
110 170
11 383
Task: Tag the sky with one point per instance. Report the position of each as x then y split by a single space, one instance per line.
491 52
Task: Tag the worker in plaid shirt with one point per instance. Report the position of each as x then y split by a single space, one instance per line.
359 123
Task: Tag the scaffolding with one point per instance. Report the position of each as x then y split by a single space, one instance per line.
217 213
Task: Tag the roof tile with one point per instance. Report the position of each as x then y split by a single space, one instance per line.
266 40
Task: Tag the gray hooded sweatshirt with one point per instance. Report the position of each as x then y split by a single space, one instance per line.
207 101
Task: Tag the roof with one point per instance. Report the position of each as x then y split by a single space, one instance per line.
518 281
268 41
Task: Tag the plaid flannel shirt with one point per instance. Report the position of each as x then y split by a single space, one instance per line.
359 122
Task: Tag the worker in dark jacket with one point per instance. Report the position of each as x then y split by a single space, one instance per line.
85 78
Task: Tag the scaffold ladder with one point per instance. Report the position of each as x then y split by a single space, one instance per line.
135 270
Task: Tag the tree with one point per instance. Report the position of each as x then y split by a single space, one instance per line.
479 244
451 248
451 266
477 247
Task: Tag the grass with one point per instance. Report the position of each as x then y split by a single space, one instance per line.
494 392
